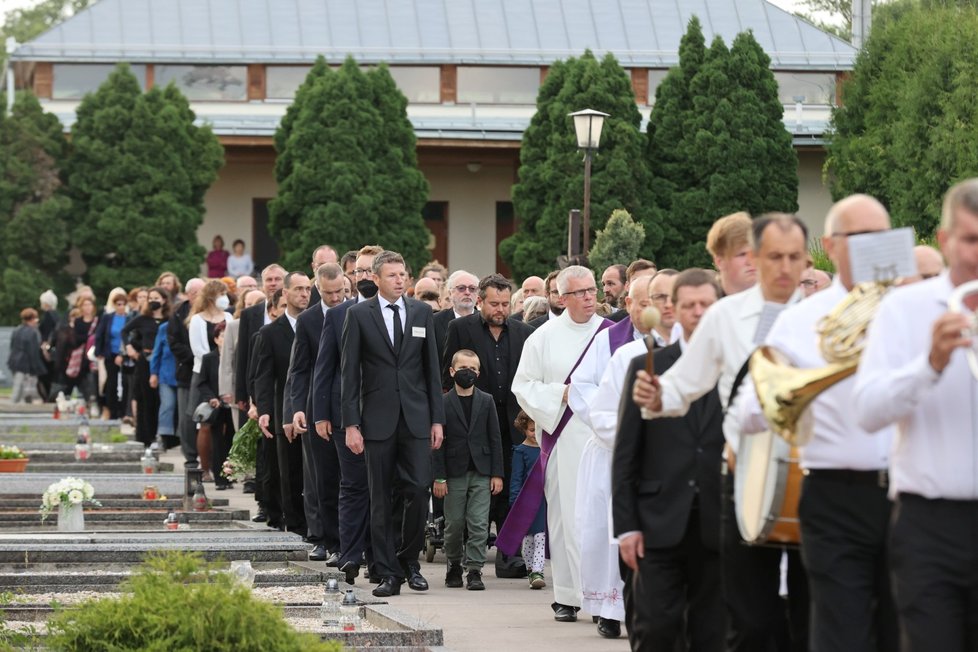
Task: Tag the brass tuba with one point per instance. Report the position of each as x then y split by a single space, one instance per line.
958 303
785 392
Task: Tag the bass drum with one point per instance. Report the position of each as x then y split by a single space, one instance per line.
767 487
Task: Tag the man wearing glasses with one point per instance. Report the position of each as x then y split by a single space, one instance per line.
542 385
463 289
660 294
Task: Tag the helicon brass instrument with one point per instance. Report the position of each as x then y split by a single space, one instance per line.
959 302
785 392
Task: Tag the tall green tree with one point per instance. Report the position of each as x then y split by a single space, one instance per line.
551 173
618 243
733 152
347 171
33 208
137 175
905 128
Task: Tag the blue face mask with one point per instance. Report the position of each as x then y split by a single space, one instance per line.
465 378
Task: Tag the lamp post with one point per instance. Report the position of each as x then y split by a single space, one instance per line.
587 125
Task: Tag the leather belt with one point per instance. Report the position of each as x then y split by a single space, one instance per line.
878 478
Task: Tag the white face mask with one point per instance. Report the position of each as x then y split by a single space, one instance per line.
222 302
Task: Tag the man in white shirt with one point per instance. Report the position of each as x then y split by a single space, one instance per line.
844 510
723 341
914 373
541 388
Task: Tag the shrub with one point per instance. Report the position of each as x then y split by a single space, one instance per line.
177 602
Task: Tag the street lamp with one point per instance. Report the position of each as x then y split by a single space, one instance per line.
588 124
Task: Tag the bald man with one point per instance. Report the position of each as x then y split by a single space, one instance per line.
532 287
930 262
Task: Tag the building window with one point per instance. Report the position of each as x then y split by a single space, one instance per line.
202 83
486 85
421 85
281 82
815 87
435 214
73 80
655 78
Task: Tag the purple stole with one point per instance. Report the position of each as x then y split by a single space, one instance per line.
620 334
527 504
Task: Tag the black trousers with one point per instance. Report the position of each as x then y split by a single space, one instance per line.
673 598
222 434
147 402
844 530
268 490
400 463
354 502
934 559
113 392
759 620
290 483
320 489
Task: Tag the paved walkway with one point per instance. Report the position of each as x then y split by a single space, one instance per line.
507 615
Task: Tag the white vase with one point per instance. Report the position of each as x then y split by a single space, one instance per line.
71 518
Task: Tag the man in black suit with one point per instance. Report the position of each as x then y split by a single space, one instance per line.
390 360
554 300
354 499
272 369
178 338
498 340
320 256
320 466
666 503
462 288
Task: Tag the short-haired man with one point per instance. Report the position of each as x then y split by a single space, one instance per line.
613 283
390 360
245 283
725 338
669 538
320 256
728 241
533 286
930 263
463 288
914 373
554 300
640 267
541 386
349 263
660 294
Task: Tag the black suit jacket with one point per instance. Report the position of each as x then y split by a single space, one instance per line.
378 385
272 369
251 321
305 348
471 333
477 439
539 321
660 465
178 338
206 380
442 319
326 375
618 315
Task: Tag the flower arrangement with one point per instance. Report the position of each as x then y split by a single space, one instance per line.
241 459
11 453
67 491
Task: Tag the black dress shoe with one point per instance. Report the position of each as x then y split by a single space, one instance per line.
564 613
249 487
333 559
318 553
473 581
453 578
415 581
260 517
351 569
609 628
388 587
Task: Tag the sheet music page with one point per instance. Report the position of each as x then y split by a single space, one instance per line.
882 256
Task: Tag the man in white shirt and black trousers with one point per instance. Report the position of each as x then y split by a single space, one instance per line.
726 336
844 510
914 373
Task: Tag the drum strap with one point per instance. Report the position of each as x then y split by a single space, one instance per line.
738 381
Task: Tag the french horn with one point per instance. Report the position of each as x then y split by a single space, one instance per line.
959 302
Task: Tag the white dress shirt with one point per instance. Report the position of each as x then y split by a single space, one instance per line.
720 345
936 450
291 320
388 315
837 441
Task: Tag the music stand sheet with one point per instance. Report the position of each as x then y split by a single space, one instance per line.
882 256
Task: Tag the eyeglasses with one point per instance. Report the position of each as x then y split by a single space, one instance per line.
359 271
580 294
659 298
808 283
466 288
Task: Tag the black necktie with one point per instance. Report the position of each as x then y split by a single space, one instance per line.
398 335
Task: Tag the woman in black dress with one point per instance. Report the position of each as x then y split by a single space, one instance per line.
140 335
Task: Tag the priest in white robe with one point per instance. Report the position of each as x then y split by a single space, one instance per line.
601 584
541 387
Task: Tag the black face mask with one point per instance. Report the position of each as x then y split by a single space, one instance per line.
155 305
366 288
465 378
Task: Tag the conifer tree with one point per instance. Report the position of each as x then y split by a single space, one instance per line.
618 244
348 174
137 175
551 175
33 208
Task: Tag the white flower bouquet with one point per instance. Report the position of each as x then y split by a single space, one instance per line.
68 492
